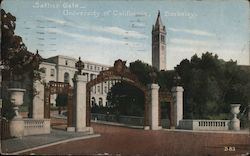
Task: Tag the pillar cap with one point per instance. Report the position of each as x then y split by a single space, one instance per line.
177 89
153 86
81 78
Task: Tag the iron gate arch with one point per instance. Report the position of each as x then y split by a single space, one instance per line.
58 88
119 72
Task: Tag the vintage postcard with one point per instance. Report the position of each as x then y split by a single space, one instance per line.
125 77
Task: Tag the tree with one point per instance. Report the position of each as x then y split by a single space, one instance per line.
61 101
211 85
19 64
142 71
126 99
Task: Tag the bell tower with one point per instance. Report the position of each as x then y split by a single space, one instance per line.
159 44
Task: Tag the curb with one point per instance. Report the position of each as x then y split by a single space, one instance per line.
54 143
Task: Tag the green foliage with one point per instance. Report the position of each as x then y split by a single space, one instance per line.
142 71
16 59
211 85
126 99
7 110
61 100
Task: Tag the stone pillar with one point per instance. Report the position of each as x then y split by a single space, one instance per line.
177 93
38 100
154 107
79 109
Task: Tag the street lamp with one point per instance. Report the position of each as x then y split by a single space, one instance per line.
177 80
79 66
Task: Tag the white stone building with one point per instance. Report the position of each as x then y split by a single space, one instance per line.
62 69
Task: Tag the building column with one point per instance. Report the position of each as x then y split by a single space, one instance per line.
154 107
80 104
177 93
38 100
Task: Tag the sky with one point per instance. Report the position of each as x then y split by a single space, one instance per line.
107 30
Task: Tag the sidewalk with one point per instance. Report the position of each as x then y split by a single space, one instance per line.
27 143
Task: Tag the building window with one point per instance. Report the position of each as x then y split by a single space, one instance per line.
93 103
98 89
90 67
100 102
43 70
66 62
162 38
87 66
105 89
66 77
91 77
52 72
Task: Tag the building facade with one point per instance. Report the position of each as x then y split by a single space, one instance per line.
159 44
62 69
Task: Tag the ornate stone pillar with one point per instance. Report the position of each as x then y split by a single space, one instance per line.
177 93
38 100
80 104
154 107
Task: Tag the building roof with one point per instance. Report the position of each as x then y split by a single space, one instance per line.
52 60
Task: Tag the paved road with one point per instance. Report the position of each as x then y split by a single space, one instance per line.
128 141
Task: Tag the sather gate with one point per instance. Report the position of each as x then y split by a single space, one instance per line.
58 88
79 98
119 72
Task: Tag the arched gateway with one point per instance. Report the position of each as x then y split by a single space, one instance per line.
82 99
122 73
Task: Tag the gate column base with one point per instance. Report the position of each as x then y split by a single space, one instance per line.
85 129
146 127
70 129
156 128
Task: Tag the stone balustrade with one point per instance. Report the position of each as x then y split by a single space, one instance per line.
213 125
36 126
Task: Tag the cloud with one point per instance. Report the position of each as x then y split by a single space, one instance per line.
58 21
190 42
111 30
193 31
88 38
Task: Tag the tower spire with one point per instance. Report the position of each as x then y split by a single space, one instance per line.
159 44
158 20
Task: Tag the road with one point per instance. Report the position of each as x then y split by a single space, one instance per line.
127 141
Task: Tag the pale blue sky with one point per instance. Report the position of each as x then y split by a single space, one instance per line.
103 31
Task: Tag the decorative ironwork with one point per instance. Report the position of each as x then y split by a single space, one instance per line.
153 77
119 72
79 66
167 97
177 79
57 88
36 60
